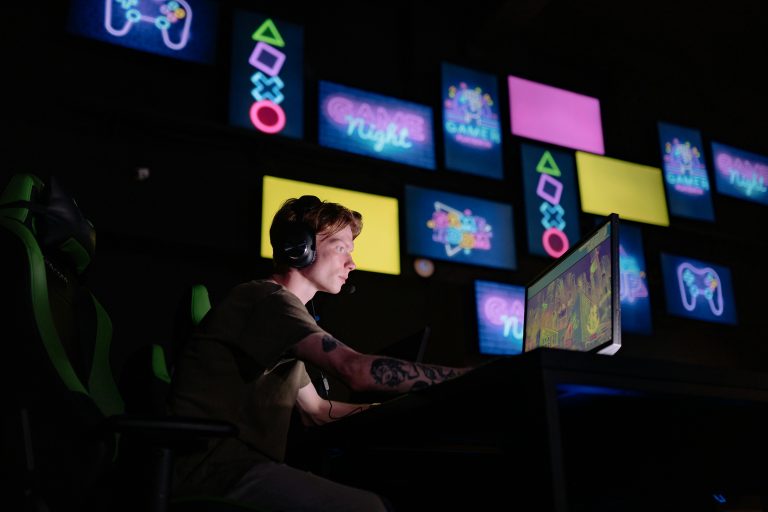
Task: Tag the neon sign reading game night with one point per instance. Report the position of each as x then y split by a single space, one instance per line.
377 126
740 173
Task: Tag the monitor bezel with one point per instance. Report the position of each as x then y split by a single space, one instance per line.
611 346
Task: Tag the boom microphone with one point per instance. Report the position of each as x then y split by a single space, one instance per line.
348 289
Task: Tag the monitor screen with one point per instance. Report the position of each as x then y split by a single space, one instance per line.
740 174
635 298
266 86
574 304
376 126
685 172
634 191
551 208
698 289
377 248
459 228
546 113
182 29
471 122
500 315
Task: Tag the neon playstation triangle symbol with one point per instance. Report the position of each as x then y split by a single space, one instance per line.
268 33
547 165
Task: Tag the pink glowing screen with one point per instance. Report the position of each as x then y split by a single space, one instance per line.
548 114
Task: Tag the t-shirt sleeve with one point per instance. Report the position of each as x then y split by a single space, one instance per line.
276 323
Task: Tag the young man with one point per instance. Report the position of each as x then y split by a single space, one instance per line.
245 364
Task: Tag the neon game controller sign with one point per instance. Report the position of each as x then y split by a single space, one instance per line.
700 285
459 231
171 18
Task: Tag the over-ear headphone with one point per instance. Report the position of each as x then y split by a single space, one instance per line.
297 246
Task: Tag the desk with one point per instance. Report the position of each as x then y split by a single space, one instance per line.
558 430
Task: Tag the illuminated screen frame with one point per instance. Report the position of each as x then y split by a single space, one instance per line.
384 128
377 248
740 174
556 116
471 122
605 235
685 289
266 85
500 312
459 229
604 189
685 172
187 31
551 205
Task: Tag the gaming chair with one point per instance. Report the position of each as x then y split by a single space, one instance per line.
63 422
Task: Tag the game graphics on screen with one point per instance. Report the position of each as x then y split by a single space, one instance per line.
574 310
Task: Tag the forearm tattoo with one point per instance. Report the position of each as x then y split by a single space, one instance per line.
393 372
330 343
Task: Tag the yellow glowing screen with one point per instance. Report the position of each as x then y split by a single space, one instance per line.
634 191
377 249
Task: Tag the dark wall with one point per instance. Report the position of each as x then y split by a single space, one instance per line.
91 114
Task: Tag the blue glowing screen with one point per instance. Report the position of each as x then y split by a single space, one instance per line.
551 210
376 126
182 29
697 289
500 315
633 282
471 122
266 90
459 228
685 172
740 174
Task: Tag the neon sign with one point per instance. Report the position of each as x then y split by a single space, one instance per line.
459 228
633 283
698 289
376 126
740 174
267 76
471 122
554 203
500 315
685 172
180 29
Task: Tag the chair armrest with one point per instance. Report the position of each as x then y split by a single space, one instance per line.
170 429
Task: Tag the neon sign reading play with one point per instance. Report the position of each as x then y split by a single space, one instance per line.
459 230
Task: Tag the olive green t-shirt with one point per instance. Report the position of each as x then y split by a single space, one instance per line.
237 367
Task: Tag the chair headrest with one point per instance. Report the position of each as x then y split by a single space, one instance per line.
64 230
61 229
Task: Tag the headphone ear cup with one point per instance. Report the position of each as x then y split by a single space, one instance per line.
299 249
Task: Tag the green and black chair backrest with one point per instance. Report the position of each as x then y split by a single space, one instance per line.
56 347
146 377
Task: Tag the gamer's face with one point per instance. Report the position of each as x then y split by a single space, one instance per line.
334 261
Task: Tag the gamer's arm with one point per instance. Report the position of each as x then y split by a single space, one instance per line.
365 372
315 410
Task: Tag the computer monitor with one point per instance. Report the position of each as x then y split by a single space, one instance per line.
574 304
